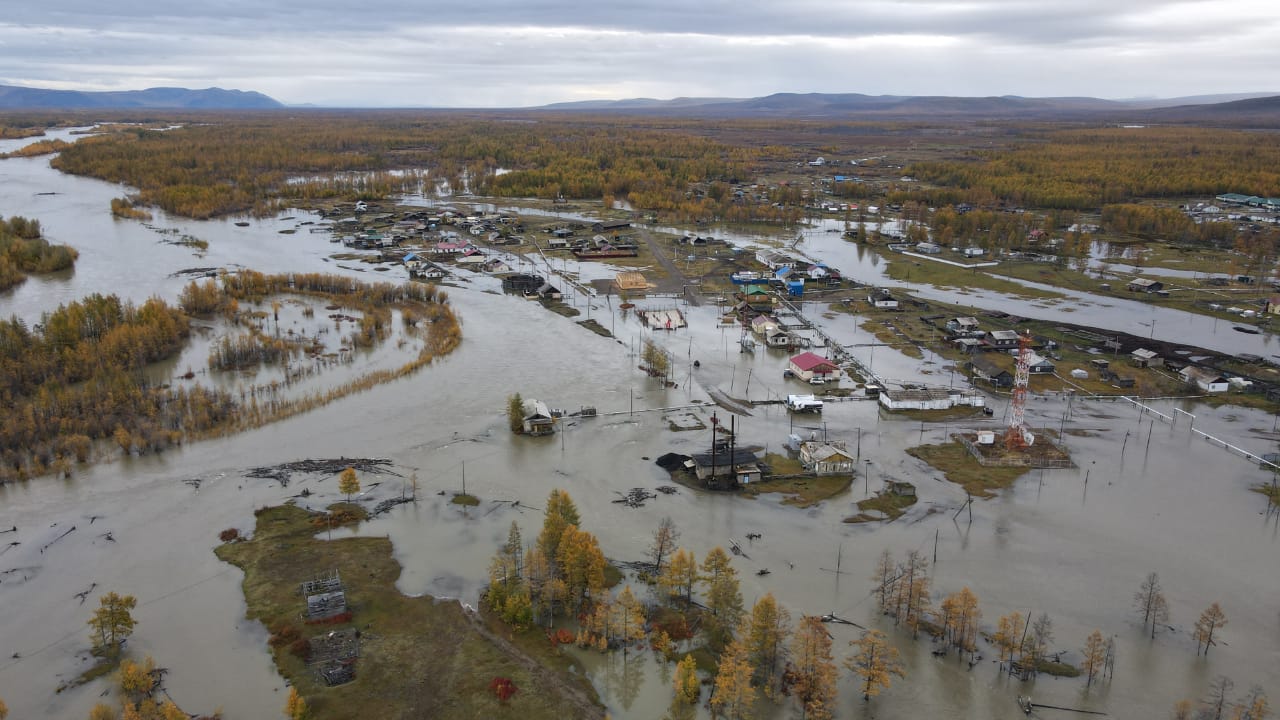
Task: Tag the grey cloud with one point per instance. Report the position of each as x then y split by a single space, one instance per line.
505 53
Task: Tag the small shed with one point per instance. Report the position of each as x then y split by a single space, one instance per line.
900 489
1145 358
1145 285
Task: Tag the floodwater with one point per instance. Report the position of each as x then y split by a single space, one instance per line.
1072 543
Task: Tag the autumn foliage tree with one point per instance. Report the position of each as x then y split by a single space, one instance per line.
112 622
348 483
811 677
875 662
734 696
1093 656
1210 621
767 630
680 576
686 684
295 707
723 596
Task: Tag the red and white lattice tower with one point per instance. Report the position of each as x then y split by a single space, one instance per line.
1015 436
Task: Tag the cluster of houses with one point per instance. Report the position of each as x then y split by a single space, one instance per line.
599 245
787 272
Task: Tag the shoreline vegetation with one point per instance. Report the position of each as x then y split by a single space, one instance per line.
419 657
23 250
76 380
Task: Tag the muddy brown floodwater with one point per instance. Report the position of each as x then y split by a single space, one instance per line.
1157 498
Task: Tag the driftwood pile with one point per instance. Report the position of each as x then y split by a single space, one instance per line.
635 497
283 472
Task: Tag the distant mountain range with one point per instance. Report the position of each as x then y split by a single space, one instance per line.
1262 107
14 98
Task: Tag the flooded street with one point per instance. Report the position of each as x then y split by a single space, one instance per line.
1157 497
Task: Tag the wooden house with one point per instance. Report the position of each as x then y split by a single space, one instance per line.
827 458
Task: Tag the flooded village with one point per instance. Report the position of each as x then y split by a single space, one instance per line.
785 395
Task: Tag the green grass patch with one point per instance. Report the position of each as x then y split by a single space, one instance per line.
1272 492
803 491
942 275
418 657
1057 669
465 499
783 465
892 506
107 662
961 468
596 327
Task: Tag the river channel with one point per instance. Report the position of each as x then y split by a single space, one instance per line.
1147 495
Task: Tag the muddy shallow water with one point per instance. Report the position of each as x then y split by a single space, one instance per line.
1161 499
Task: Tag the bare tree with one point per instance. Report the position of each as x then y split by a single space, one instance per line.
1150 603
664 542
1218 699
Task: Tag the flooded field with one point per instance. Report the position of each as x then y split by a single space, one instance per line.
1146 495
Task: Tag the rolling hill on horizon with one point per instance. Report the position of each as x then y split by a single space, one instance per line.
1243 106
13 97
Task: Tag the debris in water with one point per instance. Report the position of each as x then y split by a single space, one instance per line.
281 473
636 497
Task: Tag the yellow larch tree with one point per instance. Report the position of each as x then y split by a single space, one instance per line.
1210 620
734 696
876 662
766 639
813 671
1094 655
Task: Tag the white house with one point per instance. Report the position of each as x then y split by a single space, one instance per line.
827 458
1206 380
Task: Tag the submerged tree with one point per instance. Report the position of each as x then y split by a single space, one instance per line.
1150 602
664 542
1094 656
112 621
734 696
680 576
1210 620
515 413
812 672
768 629
560 513
876 662
1008 636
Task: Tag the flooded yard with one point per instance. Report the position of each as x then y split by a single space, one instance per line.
1146 495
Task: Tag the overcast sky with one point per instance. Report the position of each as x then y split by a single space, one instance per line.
511 53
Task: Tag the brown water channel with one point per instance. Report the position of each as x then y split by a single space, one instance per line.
1170 502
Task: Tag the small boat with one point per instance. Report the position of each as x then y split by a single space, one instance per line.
1246 329
242 223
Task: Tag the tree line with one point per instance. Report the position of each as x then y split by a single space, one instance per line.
253 162
1086 169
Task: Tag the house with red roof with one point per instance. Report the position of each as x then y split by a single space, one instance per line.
808 366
